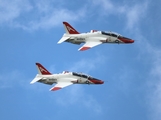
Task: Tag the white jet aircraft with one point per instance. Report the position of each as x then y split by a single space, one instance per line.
92 38
63 79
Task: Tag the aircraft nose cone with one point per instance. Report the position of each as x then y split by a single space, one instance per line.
101 82
132 41
96 81
129 41
126 40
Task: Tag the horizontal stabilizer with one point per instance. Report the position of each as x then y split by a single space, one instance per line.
36 79
63 39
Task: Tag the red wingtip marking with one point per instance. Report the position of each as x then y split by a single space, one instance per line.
56 88
84 48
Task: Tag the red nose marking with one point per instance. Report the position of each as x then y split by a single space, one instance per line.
97 81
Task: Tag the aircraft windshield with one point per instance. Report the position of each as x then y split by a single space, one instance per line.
81 75
84 75
113 34
123 37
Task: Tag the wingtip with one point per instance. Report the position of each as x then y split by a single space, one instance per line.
84 48
55 88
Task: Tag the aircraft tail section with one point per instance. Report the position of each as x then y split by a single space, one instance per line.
36 79
42 70
63 39
69 29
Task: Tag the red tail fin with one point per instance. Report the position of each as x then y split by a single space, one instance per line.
69 29
42 70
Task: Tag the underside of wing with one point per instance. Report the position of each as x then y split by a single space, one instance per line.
60 85
89 45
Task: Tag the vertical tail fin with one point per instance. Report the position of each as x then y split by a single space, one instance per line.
42 70
69 29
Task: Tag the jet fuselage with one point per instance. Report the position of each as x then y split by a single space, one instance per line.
63 79
98 36
75 78
92 38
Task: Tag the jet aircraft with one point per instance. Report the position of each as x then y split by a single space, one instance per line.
92 38
63 79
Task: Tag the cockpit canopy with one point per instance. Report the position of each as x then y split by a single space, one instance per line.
80 75
113 34
83 75
109 33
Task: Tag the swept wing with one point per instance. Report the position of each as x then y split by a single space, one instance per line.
89 44
60 85
63 83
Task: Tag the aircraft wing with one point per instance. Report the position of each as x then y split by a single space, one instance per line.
61 85
89 45
63 39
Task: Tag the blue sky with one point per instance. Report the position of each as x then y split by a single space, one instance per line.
29 32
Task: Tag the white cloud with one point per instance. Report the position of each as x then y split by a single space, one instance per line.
106 5
88 64
35 15
71 95
75 95
45 15
132 14
151 56
10 10
15 78
92 104
155 84
8 80
84 65
51 19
